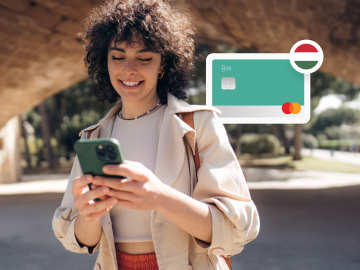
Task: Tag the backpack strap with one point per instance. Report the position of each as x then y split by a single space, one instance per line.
188 118
89 134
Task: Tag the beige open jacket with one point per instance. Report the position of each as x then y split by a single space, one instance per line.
220 184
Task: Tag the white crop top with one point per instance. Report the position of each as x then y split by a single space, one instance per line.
139 141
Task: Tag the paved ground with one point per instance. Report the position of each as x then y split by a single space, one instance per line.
27 241
300 229
258 178
305 230
344 157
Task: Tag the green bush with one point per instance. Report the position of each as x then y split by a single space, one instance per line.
309 140
337 144
259 144
335 117
343 132
321 137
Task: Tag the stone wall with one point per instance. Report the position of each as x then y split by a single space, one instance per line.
40 54
39 51
274 26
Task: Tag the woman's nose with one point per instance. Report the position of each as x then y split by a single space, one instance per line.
129 67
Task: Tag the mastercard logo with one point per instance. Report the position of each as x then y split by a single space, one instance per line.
293 108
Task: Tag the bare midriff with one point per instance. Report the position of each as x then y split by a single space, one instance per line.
135 247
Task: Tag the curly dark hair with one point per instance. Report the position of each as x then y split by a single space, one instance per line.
161 27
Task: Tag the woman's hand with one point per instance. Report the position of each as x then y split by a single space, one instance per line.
144 192
84 199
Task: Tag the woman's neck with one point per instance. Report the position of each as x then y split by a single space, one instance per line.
132 109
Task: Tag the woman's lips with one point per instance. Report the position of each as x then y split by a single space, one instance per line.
131 87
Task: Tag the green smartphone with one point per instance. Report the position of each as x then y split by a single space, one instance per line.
94 154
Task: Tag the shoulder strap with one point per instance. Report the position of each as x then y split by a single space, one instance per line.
189 119
89 133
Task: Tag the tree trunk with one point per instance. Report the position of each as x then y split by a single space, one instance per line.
45 128
62 115
283 140
40 154
297 141
24 134
237 144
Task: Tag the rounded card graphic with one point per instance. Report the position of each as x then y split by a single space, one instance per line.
306 56
259 88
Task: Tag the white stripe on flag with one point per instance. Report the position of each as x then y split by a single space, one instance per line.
302 56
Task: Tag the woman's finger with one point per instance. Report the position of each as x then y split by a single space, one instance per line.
123 195
94 187
127 170
117 184
98 207
84 189
105 197
83 200
134 163
127 204
79 182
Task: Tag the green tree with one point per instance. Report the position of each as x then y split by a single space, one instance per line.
69 112
335 117
323 84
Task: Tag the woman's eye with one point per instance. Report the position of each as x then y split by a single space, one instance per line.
145 59
115 58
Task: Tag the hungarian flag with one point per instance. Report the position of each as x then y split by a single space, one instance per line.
306 56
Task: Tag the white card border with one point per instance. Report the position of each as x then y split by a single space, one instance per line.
256 120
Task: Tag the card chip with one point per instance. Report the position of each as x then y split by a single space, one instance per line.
228 83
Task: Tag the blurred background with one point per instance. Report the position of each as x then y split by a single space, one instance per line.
304 179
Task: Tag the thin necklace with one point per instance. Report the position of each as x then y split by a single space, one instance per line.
120 114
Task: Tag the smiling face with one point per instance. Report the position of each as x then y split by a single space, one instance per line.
134 70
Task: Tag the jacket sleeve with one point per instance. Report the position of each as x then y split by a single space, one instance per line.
221 184
65 216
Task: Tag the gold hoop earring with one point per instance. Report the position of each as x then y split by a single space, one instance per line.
162 74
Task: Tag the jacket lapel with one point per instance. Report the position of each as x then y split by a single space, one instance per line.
171 150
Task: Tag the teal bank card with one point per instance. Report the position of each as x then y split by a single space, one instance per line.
257 88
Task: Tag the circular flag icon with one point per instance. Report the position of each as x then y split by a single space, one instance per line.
293 108
306 56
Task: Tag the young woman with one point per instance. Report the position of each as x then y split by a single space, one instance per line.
140 55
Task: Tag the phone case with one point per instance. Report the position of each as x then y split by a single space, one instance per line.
94 154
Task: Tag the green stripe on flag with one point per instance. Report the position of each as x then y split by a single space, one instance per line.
306 64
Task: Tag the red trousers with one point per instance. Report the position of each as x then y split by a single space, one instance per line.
139 261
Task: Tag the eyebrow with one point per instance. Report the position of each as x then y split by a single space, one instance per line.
122 50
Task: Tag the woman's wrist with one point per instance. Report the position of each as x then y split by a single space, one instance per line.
87 221
165 198
191 215
87 232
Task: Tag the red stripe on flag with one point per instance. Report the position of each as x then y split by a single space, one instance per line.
306 48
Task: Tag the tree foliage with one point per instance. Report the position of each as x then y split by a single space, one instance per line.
82 109
335 117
